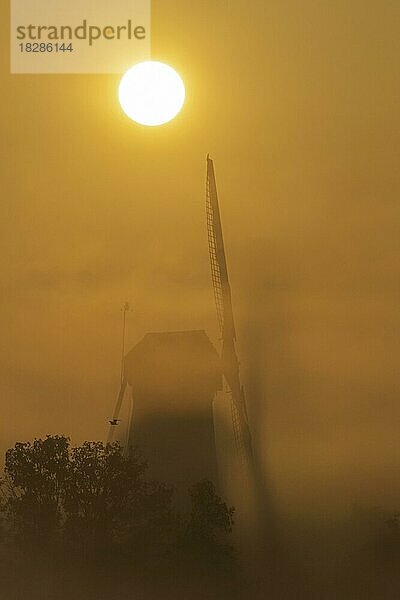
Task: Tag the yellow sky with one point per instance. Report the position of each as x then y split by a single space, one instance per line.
298 104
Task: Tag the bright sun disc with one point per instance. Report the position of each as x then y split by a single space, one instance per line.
151 93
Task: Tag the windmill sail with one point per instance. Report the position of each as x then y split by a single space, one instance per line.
223 300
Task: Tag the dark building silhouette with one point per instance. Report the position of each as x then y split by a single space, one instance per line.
174 377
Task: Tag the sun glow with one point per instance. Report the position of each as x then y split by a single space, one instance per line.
151 93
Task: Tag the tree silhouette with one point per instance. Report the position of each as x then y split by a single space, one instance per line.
109 502
209 527
93 506
36 474
92 496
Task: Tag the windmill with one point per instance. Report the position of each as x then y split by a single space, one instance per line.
229 359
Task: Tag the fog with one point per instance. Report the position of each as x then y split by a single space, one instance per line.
298 105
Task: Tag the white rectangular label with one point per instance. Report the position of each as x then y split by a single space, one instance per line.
79 36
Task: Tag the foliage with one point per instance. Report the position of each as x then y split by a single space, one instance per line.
108 498
36 474
209 526
94 504
91 495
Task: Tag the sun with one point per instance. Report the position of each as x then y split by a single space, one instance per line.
151 93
